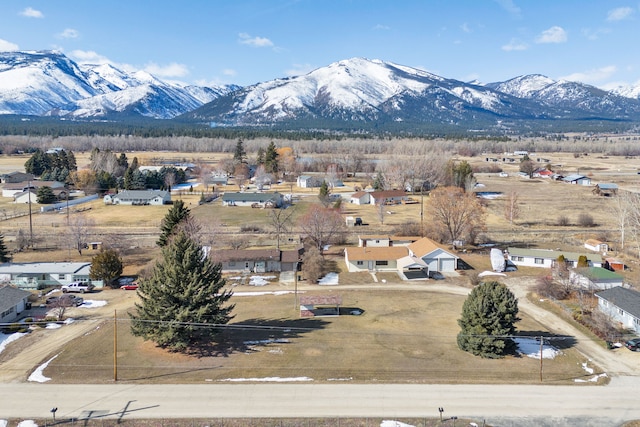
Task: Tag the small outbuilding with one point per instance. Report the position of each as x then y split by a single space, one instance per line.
320 305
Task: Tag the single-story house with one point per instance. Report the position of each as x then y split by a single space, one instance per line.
546 258
596 246
270 200
31 196
15 177
388 197
606 189
37 275
258 260
542 173
374 259
360 198
309 181
10 190
623 305
595 278
13 301
138 197
577 179
434 255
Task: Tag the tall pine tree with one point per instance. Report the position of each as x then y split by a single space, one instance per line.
5 256
183 302
271 159
177 214
488 317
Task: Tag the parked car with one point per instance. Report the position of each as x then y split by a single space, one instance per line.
81 287
633 345
130 286
436 275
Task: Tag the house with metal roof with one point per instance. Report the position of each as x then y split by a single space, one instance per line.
16 176
138 198
546 258
622 305
577 179
13 301
261 200
257 260
38 275
595 278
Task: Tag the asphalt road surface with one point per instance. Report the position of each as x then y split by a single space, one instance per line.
508 404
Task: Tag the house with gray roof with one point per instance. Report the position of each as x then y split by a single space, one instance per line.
257 260
261 200
577 179
38 275
138 198
13 301
16 176
622 305
547 258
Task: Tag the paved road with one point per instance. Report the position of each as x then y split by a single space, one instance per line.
512 404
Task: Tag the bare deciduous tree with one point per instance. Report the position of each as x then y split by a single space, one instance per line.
512 207
459 213
79 231
322 225
281 221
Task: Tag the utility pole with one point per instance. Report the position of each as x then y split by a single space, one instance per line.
115 346
30 219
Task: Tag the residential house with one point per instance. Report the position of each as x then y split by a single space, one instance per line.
595 278
31 196
360 198
434 255
390 197
577 179
262 200
138 198
542 173
606 189
13 301
374 259
38 275
547 258
622 305
258 260
309 181
596 246
16 177
10 190
385 240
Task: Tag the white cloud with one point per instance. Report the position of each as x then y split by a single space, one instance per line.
254 41
229 72
381 27
594 34
172 70
619 14
89 57
510 7
592 76
69 33
6 46
32 13
299 70
554 34
465 28
514 44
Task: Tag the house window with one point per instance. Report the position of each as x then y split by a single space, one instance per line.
377 241
359 262
621 312
517 258
61 276
382 262
636 321
538 261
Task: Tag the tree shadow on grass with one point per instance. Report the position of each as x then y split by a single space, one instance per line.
560 342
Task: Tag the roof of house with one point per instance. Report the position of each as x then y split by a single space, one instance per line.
34 183
140 194
320 299
382 253
359 194
388 193
574 177
550 254
291 255
411 261
626 299
596 274
250 197
607 186
593 242
425 246
43 267
10 296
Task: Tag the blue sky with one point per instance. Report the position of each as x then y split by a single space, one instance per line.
249 41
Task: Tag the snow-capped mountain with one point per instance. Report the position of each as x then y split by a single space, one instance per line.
628 91
50 84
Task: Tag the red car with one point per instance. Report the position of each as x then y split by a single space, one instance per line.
129 287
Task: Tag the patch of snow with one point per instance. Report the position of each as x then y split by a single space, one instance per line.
93 304
340 379
253 294
27 423
491 273
586 368
531 348
391 423
53 325
6 339
329 279
593 379
267 379
4 423
260 280
37 375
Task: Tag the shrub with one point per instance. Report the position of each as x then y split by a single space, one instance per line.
586 220
563 221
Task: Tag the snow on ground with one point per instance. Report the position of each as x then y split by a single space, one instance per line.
3 423
27 423
6 339
329 279
37 375
88 303
390 423
491 273
589 371
531 348
253 280
267 379
253 294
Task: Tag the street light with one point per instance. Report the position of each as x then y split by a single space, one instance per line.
454 421
441 410
53 411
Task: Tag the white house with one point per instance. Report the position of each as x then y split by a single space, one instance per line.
10 190
388 196
595 278
37 275
13 301
309 181
138 197
273 200
547 258
577 179
622 305
360 198
374 259
434 255
385 240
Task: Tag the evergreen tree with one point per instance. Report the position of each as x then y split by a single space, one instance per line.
183 301
271 159
239 156
106 266
488 317
583 261
45 195
177 214
260 156
5 256
123 162
324 193
379 182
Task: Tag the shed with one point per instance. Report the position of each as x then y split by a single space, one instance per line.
606 189
320 305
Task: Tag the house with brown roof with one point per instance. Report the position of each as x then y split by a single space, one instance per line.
10 190
434 255
360 198
257 260
388 197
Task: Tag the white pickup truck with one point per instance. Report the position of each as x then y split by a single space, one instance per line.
81 287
